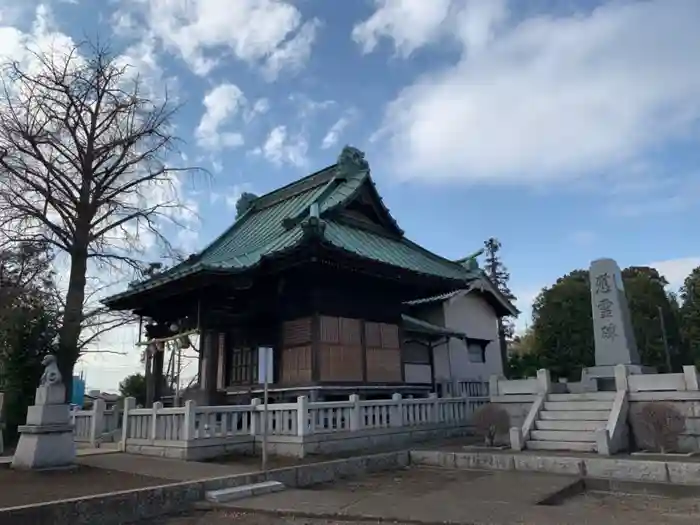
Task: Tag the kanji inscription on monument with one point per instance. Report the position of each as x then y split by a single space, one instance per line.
614 338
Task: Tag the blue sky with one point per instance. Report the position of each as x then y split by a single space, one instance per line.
569 129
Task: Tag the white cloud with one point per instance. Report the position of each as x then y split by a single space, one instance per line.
549 97
260 107
524 299
222 104
676 270
333 134
292 54
409 23
281 148
268 33
234 193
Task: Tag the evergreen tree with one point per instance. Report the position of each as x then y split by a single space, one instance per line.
499 276
563 322
134 386
689 315
28 327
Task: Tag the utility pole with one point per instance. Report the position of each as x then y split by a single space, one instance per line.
665 339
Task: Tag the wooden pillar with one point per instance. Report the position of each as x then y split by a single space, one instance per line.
221 361
363 344
209 357
150 385
315 336
157 374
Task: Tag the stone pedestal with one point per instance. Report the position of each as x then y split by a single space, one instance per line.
46 441
602 378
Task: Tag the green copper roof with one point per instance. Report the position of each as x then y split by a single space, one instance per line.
397 252
275 222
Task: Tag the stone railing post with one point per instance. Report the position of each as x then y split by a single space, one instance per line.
302 416
396 411
621 382
493 386
255 428
97 422
434 408
691 377
544 381
154 419
355 413
129 404
189 428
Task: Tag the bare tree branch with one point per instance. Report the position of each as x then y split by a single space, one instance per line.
84 168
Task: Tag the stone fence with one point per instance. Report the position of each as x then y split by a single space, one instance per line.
294 429
95 425
680 390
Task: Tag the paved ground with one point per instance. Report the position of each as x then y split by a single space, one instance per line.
24 488
439 496
688 508
246 518
170 469
177 470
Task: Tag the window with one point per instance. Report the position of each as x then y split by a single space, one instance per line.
244 366
476 351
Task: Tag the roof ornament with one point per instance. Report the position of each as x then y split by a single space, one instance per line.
470 262
351 160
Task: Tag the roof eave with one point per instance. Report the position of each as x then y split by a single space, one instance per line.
413 324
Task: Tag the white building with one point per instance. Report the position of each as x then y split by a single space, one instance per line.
456 346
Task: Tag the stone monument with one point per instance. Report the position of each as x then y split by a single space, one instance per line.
46 441
612 325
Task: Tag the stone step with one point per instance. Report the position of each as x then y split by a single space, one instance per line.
561 445
243 491
587 396
580 415
563 435
577 405
569 424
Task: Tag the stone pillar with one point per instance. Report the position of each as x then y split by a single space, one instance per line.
690 374
612 324
544 381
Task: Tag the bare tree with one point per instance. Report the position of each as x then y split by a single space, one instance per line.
490 422
84 167
658 426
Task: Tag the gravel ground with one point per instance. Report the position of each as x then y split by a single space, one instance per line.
24 488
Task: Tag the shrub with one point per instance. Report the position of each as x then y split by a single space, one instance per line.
491 421
658 426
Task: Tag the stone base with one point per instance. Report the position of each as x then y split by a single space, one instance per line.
37 450
48 415
50 395
602 378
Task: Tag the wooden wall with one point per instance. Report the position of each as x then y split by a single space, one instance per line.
340 349
383 353
296 351
348 346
